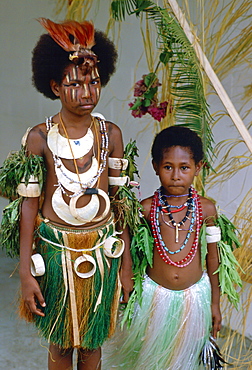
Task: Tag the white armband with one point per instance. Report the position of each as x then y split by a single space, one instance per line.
118 180
117 163
213 234
31 190
37 265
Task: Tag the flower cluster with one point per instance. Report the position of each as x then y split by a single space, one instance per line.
145 91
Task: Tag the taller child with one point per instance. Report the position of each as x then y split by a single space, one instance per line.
74 302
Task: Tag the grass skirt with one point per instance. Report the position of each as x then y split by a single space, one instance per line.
168 331
79 312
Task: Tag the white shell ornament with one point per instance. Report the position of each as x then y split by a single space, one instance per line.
82 259
109 244
31 190
59 145
63 211
37 265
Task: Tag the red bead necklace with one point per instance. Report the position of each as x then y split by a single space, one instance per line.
158 238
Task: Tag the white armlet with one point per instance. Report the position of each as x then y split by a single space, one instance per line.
213 234
118 181
117 163
37 265
32 189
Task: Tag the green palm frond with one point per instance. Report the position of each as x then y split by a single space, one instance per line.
176 52
121 8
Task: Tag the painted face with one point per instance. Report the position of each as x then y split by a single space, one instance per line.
176 170
80 92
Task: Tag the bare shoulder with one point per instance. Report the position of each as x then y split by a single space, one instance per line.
115 139
113 129
36 139
146 203
209 210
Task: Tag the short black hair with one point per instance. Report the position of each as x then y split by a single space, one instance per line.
49 62
177 135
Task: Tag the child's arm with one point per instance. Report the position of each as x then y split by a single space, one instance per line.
31 292
126 274
212 266
212 263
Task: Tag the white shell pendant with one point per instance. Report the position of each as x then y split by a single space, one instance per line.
59 145
63 211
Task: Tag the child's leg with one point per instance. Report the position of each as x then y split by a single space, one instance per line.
59 358
89 360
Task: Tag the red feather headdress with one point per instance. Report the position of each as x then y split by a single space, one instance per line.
81 42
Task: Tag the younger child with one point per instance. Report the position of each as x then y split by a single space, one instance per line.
72 291
180 304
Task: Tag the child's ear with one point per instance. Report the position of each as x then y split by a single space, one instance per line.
155 166
198 167
54 87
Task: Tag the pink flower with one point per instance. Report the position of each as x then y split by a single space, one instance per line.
158 112
139 88
139 112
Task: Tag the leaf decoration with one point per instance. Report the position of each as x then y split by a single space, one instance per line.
130 152
142 241
142 255
9 232
17 166
229 277
187 88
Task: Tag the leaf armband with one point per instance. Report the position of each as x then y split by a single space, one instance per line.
20 168
21 175
224 234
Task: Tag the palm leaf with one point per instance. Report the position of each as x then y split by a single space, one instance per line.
176 52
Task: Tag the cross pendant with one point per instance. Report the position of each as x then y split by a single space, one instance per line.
177 234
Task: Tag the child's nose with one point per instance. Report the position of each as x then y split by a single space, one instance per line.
175 174
85 91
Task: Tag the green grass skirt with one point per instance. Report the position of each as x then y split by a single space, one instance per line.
79 312
167 332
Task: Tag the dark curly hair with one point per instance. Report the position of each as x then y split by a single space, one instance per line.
177 136
49 61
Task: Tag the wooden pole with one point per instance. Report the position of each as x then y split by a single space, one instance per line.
212 75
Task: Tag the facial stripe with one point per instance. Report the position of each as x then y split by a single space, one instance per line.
68 76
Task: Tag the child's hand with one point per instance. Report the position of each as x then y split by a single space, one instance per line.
32 295
216 320
126 276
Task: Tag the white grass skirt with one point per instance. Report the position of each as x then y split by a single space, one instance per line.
168 331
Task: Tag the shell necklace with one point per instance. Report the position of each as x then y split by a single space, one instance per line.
74 182
60 145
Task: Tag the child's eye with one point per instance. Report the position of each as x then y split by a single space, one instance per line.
95 82
72 84
184 168
168 167
75 84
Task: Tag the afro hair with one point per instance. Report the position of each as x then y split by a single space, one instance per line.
49 62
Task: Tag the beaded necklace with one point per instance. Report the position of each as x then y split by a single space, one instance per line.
189 203
163 201
159 243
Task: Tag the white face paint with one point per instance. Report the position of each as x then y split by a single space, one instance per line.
80 90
